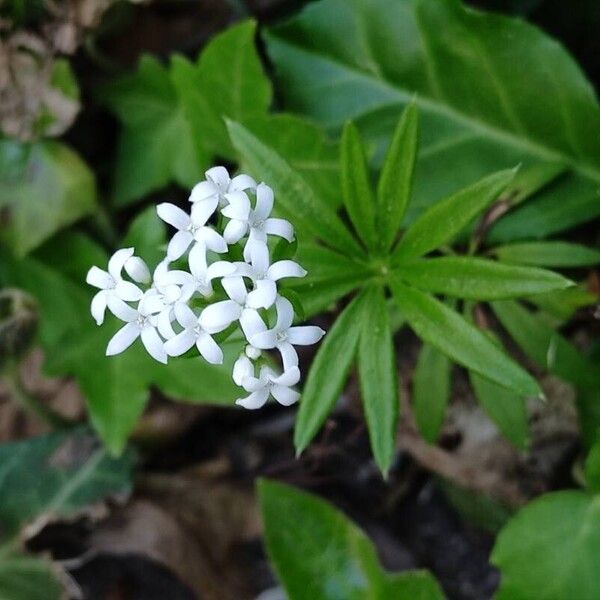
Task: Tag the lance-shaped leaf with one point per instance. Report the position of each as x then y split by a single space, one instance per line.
547 254
356 185
444 220
329 371
478 278
450 333
319 554
377 370
431 391
395 182
296 199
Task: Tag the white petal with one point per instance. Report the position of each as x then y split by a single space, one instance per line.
288 378
117 261
179 244
285 268
285 313
238 207
185 316
177 277
242 182
284 395
203 211
257 241
219 176
234 231
98 306
123 339
265 340
181 343
128 291
213 240
289 356
202 191
235 288
252 352
255 400
253 384
173 215
121 310
219 316
305 335
264 201
137 269
153 344
209 349
251 323
220 268
264 295
242 368
197 261
163 323
280 227
152 303
99 278
259 255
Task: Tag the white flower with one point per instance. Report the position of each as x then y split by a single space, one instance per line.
242 368
220 315
193 333
191 228
218 183
268 384
139 324
265 276
203 273
283 335
137 269
256 223
113 289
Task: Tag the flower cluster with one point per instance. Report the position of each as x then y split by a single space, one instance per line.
195 296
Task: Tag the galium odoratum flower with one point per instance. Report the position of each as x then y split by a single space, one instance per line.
200 289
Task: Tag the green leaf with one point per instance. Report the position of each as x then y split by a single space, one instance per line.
296 199
478 96
447 331
562 304
592 468
147 234
447 218
549 549
548 254
478 278
227 81
24 577
506 409
321 555
44 186
395 182
57 474
377 370
431 391
328 372
356 185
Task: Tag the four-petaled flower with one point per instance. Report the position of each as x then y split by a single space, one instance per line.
268 383
218 184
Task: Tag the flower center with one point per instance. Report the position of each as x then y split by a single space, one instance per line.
281 336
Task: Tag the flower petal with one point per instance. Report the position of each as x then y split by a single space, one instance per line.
98 306
185 316
251 323
179 244
153 344
259 256
211 239
137 269
203 211
209 349
128 291
265 340
238 207
255 400
120 309
289 356
123 339
99 278
235 288
305 335
288 378
173 215
152 303
280 227
234 231
285 268
284 395
202 191
219 316
242 368
264 295
163 323
181 343
242 182
264 201
219 176
220 268
285 313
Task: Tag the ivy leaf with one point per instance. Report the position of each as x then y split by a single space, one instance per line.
450 333
57 474
561 531
328 372
321 555
478 278
478 96
377 370
547 254
44 186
